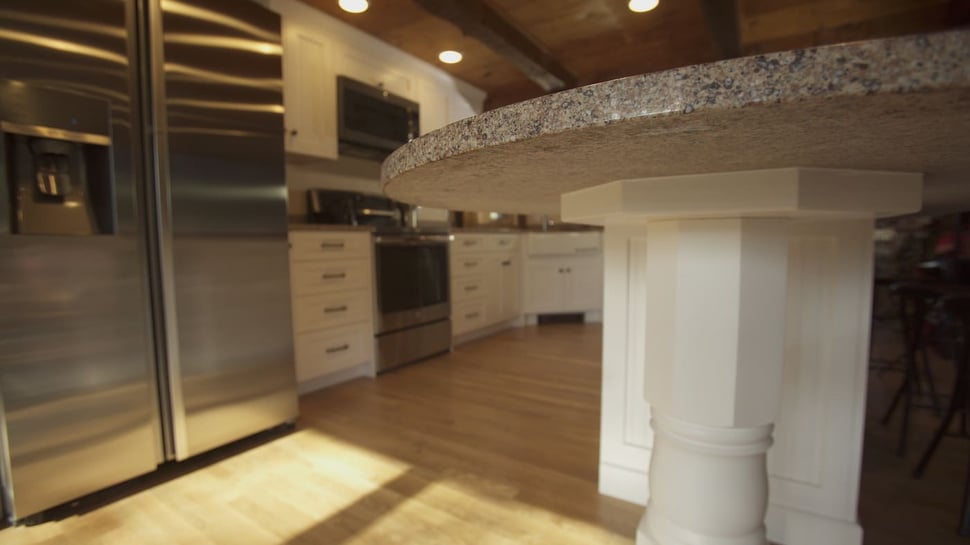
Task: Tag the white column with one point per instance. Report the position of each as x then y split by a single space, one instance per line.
713 332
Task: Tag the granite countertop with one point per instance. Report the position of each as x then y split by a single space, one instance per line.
900 104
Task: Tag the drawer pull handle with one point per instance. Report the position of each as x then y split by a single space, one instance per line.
471 315
334 276
341 308
507 262
471 263
469 242
332 245
504 242
471 288
341 348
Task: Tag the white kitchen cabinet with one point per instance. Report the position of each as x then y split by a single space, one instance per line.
510 271
332 286
309 93
563 273
485 281
434 106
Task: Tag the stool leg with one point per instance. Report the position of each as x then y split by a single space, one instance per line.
955 404
930 382
958 402
908 384
892 406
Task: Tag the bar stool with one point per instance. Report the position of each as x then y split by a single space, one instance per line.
915 301
957 307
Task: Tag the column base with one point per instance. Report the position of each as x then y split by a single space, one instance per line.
708 485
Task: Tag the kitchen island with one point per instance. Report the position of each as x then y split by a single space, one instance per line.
738 201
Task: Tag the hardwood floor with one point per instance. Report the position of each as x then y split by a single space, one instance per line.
496 443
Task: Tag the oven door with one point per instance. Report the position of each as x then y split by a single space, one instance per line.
412 280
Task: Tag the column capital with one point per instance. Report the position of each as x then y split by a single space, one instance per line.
796 192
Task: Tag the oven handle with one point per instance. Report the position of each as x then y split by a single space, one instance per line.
415 240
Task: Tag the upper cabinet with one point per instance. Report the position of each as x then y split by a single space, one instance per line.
317 48
309 93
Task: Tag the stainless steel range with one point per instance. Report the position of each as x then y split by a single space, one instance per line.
413 305
411 270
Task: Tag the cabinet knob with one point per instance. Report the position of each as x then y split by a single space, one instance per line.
293 132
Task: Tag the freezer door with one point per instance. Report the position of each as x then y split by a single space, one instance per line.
222 212
78 403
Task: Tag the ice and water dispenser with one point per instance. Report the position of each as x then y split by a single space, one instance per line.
55 162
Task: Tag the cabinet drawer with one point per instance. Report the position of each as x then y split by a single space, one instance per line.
467 287
327 310
326 351
468 243
466 265
323 276
502 242
467 316
306 246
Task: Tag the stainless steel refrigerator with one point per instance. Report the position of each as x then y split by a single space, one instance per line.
144 296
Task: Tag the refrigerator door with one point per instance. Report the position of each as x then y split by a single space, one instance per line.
76 386
222 221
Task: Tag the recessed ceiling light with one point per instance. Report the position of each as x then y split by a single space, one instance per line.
449 57
353 6
640 6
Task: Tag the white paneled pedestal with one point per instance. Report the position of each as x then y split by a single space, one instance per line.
766 338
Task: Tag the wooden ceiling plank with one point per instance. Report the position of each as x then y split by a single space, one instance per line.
722 21
480 21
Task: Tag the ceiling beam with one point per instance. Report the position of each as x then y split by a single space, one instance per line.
480 21
721 17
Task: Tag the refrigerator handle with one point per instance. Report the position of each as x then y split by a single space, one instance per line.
5 204
172 405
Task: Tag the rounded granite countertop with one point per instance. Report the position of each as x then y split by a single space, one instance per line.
899 104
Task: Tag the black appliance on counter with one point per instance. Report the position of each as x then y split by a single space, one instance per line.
349 208
413 318
372 122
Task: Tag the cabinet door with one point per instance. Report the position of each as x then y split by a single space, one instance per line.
511 272
309 94
544 286
434 106
584 289
493 290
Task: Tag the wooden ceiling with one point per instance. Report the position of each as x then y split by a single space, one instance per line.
598 40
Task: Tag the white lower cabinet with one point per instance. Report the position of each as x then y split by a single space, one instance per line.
486 276
331 281
563 273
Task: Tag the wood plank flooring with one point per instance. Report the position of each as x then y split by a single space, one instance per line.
496 443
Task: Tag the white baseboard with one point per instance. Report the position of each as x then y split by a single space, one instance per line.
332 379
625 484
793 527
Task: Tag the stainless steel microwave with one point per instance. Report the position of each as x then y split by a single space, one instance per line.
372 122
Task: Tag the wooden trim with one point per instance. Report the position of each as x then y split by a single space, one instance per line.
721 17
478 20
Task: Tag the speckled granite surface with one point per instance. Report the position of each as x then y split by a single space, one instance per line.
898 104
